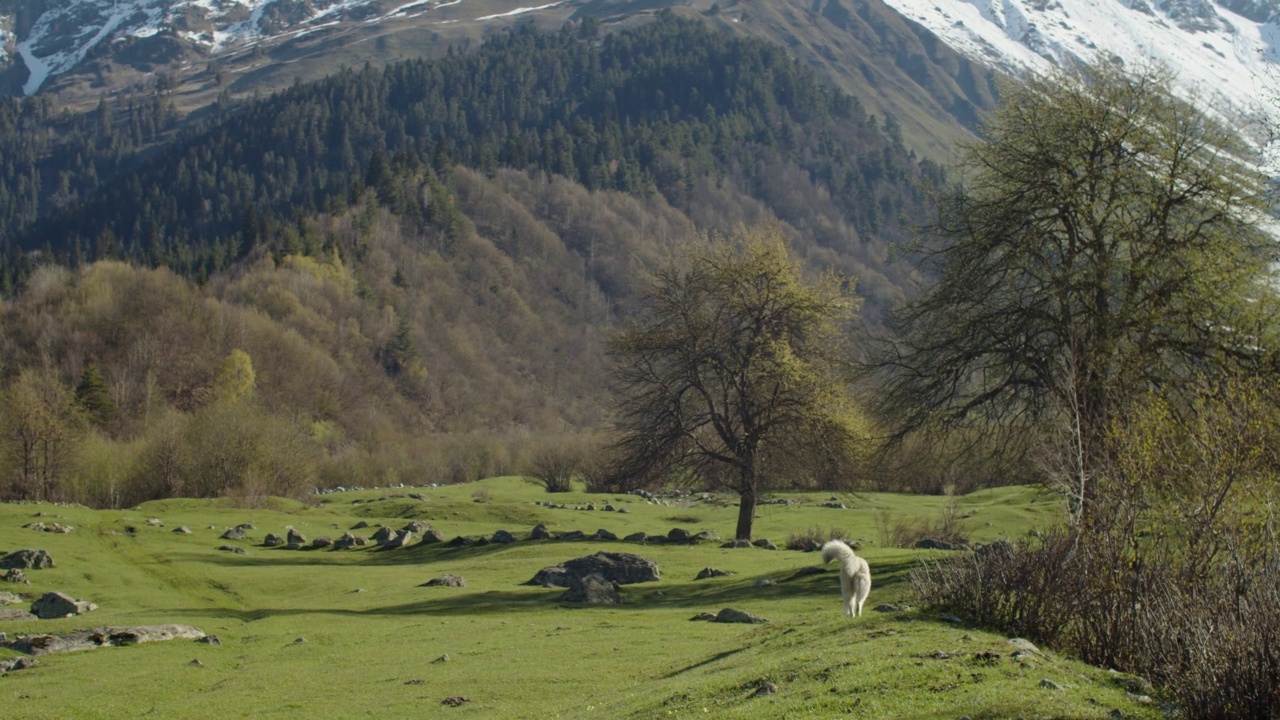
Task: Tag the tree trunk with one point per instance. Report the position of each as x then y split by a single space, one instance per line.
746 508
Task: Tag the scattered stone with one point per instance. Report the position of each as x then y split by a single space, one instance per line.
765 544
360 525
415 681
58 605
460 541
1115 714
347 541
417 527
986 657
15 576
155 522
939 655
593 589
737 543
27 559
432 536
833 505
245 527
455 701
42 644
678 535
15 614
445 581
706 536
1048 684
892 607
384 535
16 664
540 532
1025 646
232 549
182 530
502 537
196 662
50 527
704 616
765 688
608 508
709 572
402 539
636 537
8 598
732 615
299 640
603 534
591 506
1140 699
442 659
273 540
234 533
572 535
548 577
765 582
295 539
622 568
321 542
210 640
623 510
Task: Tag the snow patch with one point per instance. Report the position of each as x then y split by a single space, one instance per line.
520 11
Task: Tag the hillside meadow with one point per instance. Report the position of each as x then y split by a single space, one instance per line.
351 633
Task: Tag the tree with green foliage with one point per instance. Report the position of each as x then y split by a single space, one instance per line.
734 377
40 422
236 377
94 396
1103 245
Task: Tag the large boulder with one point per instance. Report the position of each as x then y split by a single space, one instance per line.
733 615
27 560
402 538
384 535
445 581
295 539
621 568
540 532
417 527
58 605
432 536
14 575
593 590
502 537
273 540
348 541
42 644
679 535
235 533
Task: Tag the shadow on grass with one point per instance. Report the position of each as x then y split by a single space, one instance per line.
690 595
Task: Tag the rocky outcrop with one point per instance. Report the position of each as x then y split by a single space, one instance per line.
234 533
733 615
14 575
42 644
27 559
58 605
709 572
540 532
622 568
348 541
593 590
295 539
384 535
273 540
445 581
502 537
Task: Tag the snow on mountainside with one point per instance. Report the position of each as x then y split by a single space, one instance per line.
58 35
1220 51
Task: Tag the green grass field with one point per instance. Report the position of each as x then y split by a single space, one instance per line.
374 638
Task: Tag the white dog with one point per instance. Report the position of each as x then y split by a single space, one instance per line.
855 576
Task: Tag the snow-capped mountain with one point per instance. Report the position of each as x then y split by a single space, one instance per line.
1223 52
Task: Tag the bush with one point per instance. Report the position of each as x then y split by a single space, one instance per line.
812 539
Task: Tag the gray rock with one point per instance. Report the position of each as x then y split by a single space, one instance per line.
17 664
182 530
593 589
347 541
502 537
384 535
732 615
27 559
7 613
622 568
14 575
540 532
1025 646
232 549
402 539
360 525
708 572
765 582
53 605
295 539
321 542
572 535
460 541
603 534
765 688
623 510
737 543
234 533
245 527
417 527
445 581
678 535
554 576
273 540
609 508
706 536
892 607
210 640
1048 684
636 537
155 522
704 616
43 644
765 544
432 536
8 598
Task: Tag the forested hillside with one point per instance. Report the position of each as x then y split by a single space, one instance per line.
415 266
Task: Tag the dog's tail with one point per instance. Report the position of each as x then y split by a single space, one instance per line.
837 550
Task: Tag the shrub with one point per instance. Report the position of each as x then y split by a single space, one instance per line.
814 538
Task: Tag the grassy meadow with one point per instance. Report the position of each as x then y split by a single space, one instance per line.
345 634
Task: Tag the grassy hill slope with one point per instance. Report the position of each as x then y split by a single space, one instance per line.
372 639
